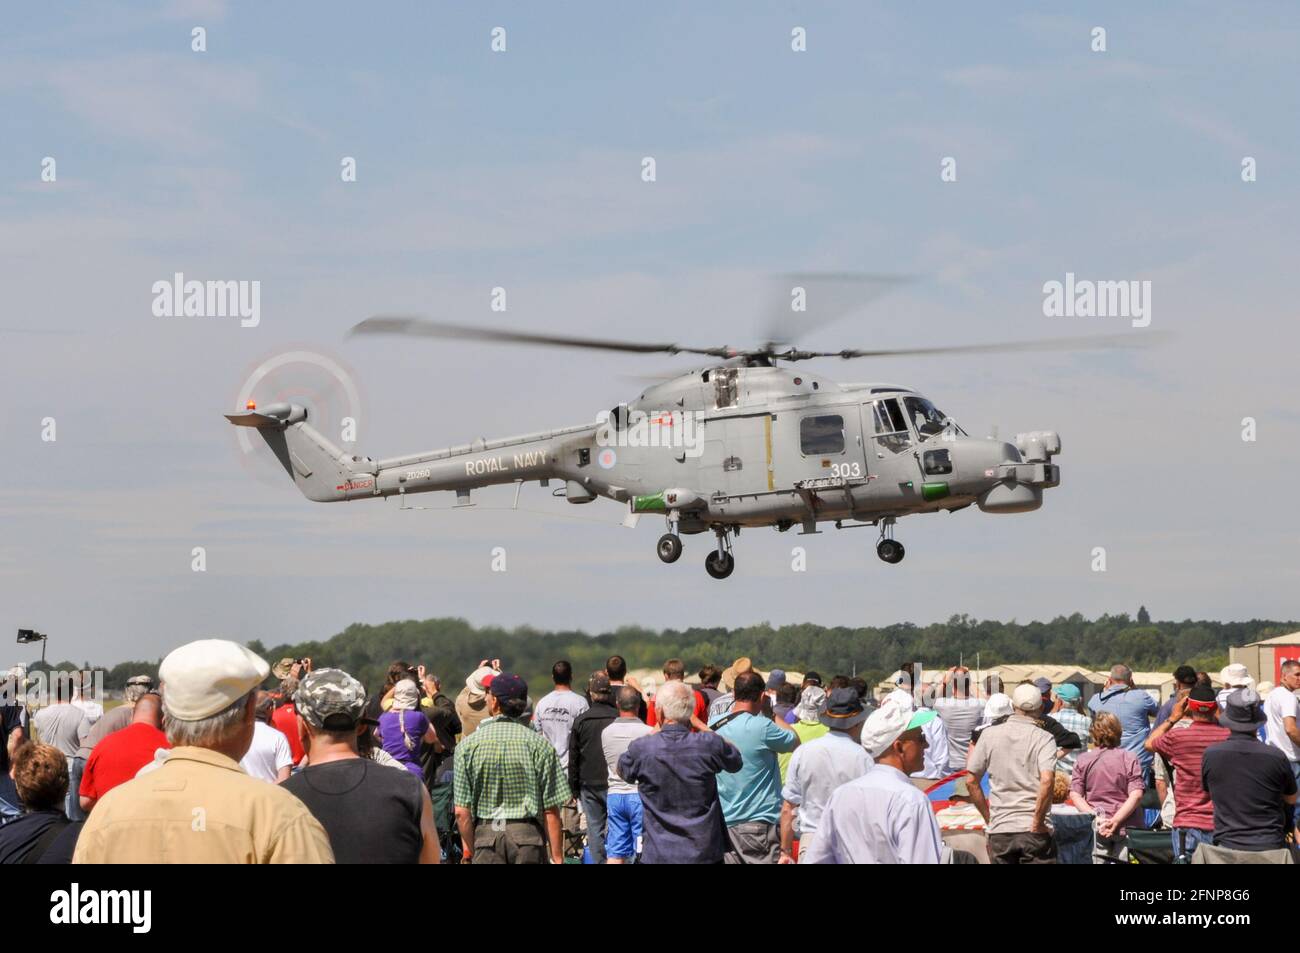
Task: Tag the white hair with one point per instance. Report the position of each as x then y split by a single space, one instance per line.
206 732
676 701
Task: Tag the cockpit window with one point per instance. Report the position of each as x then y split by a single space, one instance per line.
891 425
928 419
823 434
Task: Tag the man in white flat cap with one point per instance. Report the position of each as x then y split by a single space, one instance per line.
199 806
882 818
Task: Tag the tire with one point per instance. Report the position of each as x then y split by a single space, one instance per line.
669 548
891 551
719 566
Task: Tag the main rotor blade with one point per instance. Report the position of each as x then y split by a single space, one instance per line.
1097 341
423 327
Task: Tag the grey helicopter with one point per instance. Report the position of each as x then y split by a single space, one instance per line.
750 440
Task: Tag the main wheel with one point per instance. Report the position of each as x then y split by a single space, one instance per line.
891 551
719 565
669 548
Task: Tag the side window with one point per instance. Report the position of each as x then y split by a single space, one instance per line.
821 435
891 426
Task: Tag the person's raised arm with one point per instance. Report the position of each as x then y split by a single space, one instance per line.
1158 732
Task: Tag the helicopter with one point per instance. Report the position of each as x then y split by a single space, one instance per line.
750 440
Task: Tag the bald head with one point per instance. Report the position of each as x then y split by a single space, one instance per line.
148 710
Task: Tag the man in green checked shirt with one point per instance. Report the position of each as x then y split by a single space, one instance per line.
508 780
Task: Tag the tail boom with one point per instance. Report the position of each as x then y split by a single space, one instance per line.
326 474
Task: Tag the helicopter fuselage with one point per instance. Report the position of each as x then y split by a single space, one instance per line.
725 447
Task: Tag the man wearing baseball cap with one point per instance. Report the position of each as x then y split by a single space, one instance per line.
1183 748
882 817
199 806
1249 782
819 768
1067 712
373 813
508 776
1020 759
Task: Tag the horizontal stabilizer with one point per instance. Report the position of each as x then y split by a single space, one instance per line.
254 419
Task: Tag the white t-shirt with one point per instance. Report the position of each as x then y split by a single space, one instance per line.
554 716
1280 704
268 753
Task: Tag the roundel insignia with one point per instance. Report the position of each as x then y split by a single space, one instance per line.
607 458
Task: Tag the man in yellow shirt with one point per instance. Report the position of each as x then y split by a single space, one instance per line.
199 807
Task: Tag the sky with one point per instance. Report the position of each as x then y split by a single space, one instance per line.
522 169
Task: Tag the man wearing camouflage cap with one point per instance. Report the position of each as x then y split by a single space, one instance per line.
199 806
374 814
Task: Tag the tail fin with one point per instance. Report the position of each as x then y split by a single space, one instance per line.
322 471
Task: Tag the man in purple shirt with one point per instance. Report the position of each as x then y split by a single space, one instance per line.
677 772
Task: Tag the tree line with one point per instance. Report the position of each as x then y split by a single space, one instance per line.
451 647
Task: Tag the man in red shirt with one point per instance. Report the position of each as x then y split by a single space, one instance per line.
1183 748
285 717
118 757
675 671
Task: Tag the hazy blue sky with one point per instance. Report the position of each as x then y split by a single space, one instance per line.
522 169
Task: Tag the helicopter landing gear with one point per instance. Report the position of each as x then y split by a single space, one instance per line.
669 547
888 548
891 551
720 563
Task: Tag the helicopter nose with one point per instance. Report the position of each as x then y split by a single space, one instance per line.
1025 471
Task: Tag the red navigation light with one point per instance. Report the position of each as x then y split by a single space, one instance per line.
251 405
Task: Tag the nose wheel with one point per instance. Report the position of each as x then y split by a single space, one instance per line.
889 549
669 548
